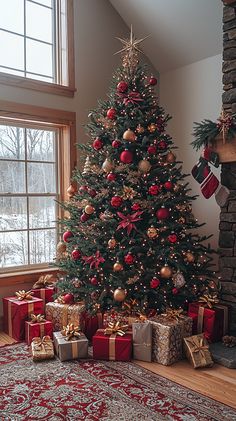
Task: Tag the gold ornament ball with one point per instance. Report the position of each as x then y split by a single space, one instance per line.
190 257
61 247
117 267
89 209
119 294
152 127
71 191
152 232
111 243
107 165
166 272
140 129
129 135
144 166
170 157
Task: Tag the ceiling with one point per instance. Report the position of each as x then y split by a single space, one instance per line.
182 31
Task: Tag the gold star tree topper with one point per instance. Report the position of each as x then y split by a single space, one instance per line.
130 51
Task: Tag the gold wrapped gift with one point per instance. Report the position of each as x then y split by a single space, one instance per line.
197 351
42 348
62 314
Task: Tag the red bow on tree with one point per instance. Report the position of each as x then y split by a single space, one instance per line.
94 261
133 98
128 221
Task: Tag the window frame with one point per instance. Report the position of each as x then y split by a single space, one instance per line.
47 87
66 122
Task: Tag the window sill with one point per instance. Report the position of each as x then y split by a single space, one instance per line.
36 85
24 277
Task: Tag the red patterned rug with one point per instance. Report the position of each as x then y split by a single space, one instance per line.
94 390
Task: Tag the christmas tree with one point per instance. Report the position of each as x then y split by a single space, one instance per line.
131 238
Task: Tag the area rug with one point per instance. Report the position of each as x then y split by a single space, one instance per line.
95 390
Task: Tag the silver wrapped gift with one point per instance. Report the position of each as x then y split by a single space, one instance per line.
72 349
142 341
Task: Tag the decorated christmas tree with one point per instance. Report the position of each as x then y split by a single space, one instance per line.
130 239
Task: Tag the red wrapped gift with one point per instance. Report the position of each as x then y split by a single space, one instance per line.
45 293
16 312
37 330
90 324
113 346
213 322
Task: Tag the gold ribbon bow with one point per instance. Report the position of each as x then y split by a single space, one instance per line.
43 344
199 347
37 318
116 328
209 300
45 281
172 314
24 295
71 332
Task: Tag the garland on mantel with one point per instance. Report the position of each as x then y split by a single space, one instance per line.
207 131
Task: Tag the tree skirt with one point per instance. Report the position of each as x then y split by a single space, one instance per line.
95 390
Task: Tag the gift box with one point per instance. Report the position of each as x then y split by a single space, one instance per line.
112 347
70 349
62 314
42 348
197 351
16 312
91 323
45 293
213 322
142 341
38 329
168 332
115 316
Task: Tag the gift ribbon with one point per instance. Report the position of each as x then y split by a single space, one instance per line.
71 332
116 328
37 318
24 295
172 314
200 318
30 308
209 300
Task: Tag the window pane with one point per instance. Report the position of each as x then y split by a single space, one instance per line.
11 50
12 177
38 57
38 22
42 246
42 212
13 249
40 145
37 77
12 15
45 2
13 213
12 143
12 71
41 178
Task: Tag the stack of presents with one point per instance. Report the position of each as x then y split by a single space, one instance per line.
51 327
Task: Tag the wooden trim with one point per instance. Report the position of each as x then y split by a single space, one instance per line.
26 277
226 151
70 45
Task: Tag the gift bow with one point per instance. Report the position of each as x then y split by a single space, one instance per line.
116 328
24 295
43 344
44 281
37 318
131 98
172 314
209 300
71 332
94 261
128 221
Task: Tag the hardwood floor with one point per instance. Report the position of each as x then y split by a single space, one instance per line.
217 382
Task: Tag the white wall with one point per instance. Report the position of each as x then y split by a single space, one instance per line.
193 93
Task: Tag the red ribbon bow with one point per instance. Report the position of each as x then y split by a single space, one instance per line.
128 221
94 261
133 98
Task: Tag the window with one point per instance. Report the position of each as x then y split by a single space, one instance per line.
36 45
35 169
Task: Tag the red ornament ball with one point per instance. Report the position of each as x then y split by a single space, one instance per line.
111 113
84 217
172 238
129 259
152 149
162 145
126 157
94 280
168 185
92 192
122 86
153 190
116 201
152 81
75 254
97 144
83 189
66 236
111 176
68 298
154 283
135 207
116 143
175 291
162 213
